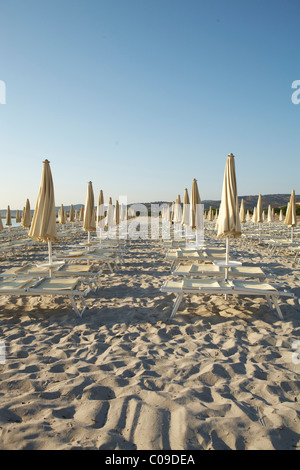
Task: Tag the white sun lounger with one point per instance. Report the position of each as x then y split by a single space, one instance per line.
87 273
63 287
211 270
82 255
182 255
214 286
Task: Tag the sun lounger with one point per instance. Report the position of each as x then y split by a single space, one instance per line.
88 274
211 270
62 287
92 257
214 286
183 255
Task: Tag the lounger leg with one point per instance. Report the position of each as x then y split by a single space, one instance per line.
172 266
79 313
269 303
277 308
109 266
176 305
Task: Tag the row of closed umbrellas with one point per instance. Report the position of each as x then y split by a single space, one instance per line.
43 225
25 219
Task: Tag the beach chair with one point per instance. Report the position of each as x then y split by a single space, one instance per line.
91 257
211 270
183 255
228 287
88 274
62 287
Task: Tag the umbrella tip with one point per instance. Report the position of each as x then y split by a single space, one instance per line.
230 155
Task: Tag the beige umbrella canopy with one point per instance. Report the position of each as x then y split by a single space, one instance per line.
270 214
242 212
1 224
26 222
62 215
101 211
210 216
172 212
186 209
259 216
195 202
72 214
18 217
8 217
291 217
81 214
117 213
177 217
196 214
254 216
229 217
89 223
43 226
280 215
110 214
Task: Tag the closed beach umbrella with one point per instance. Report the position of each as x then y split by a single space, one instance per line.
248 217
229 217
18 217
62 215
81 214
177 211
242 212
1 224
172 212
254 216
26 222
101 211
270 214
291 218
43 227
259 210
195 203
186 213
210 216
259 215
117 213
72 214
89 222
110 214
8 217
280 215
196 216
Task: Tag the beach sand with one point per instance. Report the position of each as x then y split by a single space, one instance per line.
222 374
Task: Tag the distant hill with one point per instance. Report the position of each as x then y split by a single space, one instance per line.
275 200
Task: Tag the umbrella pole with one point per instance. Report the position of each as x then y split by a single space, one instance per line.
292 234
50 252
89 240
227 259
50 257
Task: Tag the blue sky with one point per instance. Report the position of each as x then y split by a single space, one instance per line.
142 96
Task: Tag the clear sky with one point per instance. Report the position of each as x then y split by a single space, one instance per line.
142 96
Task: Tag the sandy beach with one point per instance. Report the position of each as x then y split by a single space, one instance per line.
222 374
